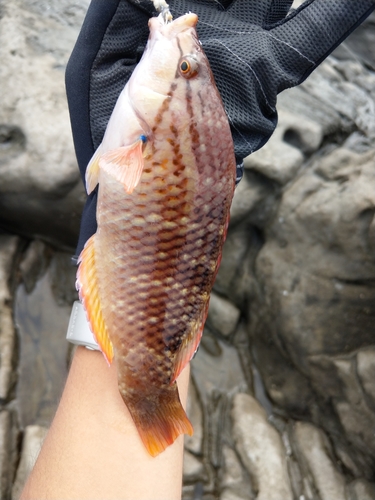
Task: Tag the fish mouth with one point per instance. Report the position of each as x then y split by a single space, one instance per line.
172 28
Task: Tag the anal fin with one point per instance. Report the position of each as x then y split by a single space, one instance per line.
87 286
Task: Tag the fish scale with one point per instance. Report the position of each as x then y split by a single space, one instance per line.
163 206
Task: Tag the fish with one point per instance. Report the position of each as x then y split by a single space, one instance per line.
165 172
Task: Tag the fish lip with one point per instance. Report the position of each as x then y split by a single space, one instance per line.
173 28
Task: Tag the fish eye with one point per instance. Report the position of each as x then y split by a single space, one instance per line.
188 66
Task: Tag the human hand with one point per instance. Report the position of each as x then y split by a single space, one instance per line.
255 49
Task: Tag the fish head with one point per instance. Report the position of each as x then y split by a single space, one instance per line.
173 57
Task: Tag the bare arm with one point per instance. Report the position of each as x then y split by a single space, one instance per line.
93 449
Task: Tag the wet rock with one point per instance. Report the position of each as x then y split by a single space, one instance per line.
31 445
41 191
223 316
261 450
42 325
9 251
315 456
34 263
9 435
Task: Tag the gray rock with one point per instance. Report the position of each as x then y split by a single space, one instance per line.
316 459
234 251
218 376
260 448
33 438
9 251
34 264
249 197
41 192
316 297
194 412
280 159
235 482
193 469
357 419
366 372
357 45
360 489
223 316
9 436
42 325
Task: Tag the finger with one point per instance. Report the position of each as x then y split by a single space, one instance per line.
312 32
260 12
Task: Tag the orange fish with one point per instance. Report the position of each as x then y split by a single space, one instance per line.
166 172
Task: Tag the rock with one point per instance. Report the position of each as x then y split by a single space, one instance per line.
34 263
316 273
217 379
356 417
31 445
9 251
366 372
222 316
194 412
193 468
249 197
360 489
280 159
235 482
9 435
358 43
42 325
41 193
315 457
261 449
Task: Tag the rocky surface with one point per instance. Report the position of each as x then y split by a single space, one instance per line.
41 194
282 396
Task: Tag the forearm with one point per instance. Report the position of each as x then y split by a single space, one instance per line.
93 449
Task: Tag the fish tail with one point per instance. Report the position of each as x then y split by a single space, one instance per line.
159 418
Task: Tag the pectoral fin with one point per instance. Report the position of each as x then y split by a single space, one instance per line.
125 164
92 171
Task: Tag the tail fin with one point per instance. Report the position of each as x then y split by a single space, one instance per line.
159 418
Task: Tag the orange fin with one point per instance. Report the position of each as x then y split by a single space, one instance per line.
92 171
189 346
87 286
160 418
125 164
